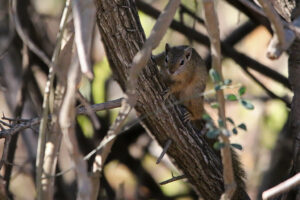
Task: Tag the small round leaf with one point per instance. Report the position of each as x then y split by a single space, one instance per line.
242 126
227 82
230 120
237 146
247 104
213 133
242 90
214 75
235 131
218 145
231 97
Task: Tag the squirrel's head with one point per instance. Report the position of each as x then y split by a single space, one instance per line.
177 58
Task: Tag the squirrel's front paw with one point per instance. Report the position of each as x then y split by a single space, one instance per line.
187 116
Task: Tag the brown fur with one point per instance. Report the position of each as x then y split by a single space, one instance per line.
186 82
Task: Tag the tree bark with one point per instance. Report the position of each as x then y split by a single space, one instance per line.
123 37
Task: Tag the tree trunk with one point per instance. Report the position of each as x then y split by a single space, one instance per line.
123 37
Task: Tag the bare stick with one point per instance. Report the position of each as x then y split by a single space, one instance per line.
166 147
176 178
282 187
101 106
28 123
5 151
67 124
24 37
284 32
274 51
84 13
44 120
212 27
107 142
89 110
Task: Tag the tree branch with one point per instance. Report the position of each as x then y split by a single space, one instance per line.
282 187
212 26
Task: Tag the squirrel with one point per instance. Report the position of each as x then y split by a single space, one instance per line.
185 73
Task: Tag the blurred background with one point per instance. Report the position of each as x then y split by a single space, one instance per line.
131 170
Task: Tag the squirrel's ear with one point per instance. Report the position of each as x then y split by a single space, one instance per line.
188 53
167 47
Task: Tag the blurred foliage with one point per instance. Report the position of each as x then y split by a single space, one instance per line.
102 73
86 126
118 176
162 173
273 120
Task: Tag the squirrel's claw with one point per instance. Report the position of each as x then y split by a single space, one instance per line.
187 117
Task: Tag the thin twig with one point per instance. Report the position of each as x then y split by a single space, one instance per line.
84 14
24 37
100 106
6 124
212 26
14 120
278 30
253 7
20 101
165 149
103 149
282 187
89 110
269 92
49 85
176 178
27 123
5 151
67 122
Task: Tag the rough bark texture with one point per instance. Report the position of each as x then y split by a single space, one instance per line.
123 36
294 126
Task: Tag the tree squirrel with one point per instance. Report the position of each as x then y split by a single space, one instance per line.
185 73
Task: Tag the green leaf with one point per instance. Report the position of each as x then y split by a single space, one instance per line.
214 75
218 87
231 97
247 104
218 145
235 131
242 126
237 146
215 105
213 133
227 82
230 120
221 123
206 117
242 90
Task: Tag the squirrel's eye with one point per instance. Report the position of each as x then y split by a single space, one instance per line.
182 62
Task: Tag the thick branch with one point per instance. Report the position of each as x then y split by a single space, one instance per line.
190 151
